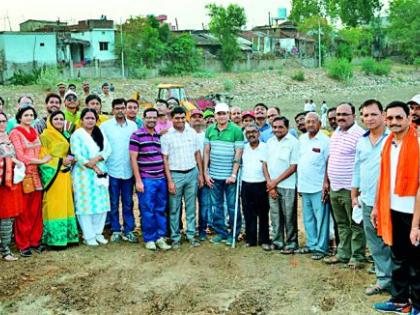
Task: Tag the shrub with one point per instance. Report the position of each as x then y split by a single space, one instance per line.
416 62
299 76
48 77
345 51
382 68
228 85
340 69
203 74
139 72
25 78
368 65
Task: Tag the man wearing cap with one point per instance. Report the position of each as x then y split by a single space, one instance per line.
222 154
208 116
248 118
414 104
61 89
71 112
235 116
106 98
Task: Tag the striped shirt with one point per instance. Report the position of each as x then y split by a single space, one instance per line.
149 159
342 157
223 144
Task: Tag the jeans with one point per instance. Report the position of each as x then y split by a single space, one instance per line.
217 192
205 210
186 185
316 219
283 218
381 253
153 203
352 243
121 188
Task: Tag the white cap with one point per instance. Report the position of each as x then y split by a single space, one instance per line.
222 107
415 99
70 92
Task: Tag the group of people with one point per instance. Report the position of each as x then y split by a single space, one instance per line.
78 163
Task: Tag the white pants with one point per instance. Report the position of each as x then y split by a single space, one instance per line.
92 225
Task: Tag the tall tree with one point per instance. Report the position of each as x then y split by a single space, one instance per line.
225 24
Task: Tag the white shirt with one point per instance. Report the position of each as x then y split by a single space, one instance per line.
400 204
201 136
313 156
281 155
252 162
118 164
180 147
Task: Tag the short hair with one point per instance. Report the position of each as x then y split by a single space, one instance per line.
313 114
52 95
371 102
105 84
252 125
399 104
91 97
72 84
148 110
301 114
172 99
22 110
159 100
261 104
177 110
277 109
283 119
132 100
117 101
353 109
332 109
27 96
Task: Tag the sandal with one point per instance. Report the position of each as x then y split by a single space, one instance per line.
9 257
318 256
375 289
287 251
303 250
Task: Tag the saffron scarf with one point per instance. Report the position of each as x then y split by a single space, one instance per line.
406 182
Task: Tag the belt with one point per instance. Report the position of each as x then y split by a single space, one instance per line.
183 172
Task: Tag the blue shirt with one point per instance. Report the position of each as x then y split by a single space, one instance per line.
367 166
118 136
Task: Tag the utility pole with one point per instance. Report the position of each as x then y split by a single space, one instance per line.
122 50
319 42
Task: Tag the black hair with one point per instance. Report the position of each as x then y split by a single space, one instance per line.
105 84
283 119
148 110
4 114
118 101
177 110
132 100
261 104
91 97
301 114
22 110
277 109
353 109
2 100
58 112
52 95
72 84
159 100
371 102
332 109
400 104
172 99
97 135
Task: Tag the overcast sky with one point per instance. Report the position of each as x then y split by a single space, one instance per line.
190 13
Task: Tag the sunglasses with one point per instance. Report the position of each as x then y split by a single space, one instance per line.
71 98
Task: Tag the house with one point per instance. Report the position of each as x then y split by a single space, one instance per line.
41 25
25 51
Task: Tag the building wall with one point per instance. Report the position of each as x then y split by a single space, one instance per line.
95 37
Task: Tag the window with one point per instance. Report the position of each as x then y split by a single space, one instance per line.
42 44
103 46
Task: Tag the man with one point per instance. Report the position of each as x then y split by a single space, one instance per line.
132 112
118 131
61 89
248 118
255 204
184 174
52 104
106 98
164 122
396 213
331 116
222 154
365 179
272 113
260 112
351 248
93 101
280 173
147 164
300 122
71 110
205 218
208 116
236 116
72 87
414 104
313 156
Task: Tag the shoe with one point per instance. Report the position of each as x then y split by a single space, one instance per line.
335 260
150 245
176 245
229 241
203 238
375 289
415 311
130 237
277 246
266 247
218 239
116 237
9 257
161 243
101 239
26 252
39 249
391 307
92 242
194 242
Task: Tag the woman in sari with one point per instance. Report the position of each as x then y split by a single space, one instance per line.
28 224
90 179
60 227
10 194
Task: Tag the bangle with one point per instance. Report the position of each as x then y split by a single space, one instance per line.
233 175
415 228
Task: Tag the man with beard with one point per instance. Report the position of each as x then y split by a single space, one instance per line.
414 104
52 104
118 131
300 122
235 116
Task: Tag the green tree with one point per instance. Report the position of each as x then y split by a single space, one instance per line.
225 23
359 39
404 29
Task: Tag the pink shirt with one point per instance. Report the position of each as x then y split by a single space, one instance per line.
163 126
342 157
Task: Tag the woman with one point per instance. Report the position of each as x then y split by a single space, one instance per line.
10 194
90 180
28 225
60 227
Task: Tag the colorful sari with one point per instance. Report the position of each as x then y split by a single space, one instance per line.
60 227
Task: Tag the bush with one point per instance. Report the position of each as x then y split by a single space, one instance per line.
416 62
25 78
203 74
48 77
228 85
299 76
340 69
370 66
345 51
140 72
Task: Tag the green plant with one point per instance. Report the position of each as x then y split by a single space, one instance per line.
298 76
340 69
139 72
48 77
228 85
21 77
203 74
416 63
370 66
344 50
280 72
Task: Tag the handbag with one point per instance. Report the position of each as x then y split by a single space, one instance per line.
18 173
28 184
